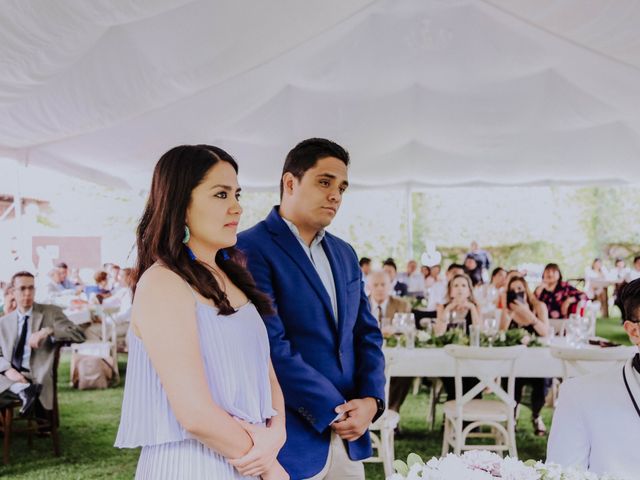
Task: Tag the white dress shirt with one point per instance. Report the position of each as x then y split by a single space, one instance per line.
319 260
595 425
383 307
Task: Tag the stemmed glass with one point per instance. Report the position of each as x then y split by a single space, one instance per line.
398 324
491 328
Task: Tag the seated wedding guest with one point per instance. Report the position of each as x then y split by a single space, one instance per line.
620 271
435 272
365 268
473 269
413 279
460 305
425 271
524 310
123 299
100 289
74 277
384 305
59 284
488 295
560 298
9 303
113 274
592 289
596 424
27 347
438 291
399 288
620 274
634 273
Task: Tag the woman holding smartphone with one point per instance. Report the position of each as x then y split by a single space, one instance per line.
524 310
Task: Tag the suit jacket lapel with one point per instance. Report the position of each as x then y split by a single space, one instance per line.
12 334
36 318
339 280
287 241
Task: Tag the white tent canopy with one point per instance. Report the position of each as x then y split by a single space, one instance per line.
422 92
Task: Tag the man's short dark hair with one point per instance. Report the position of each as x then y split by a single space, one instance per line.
629 301
306 154
23 273
455 265
364 261
391 263
62 265
636 258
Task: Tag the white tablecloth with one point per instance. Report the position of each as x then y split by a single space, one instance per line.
434 362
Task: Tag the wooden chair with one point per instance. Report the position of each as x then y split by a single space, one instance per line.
382 431
583 361
51 421
485 364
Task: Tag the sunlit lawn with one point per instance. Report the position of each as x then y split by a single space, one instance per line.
89 421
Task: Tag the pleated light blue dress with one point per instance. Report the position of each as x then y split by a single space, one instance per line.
235 351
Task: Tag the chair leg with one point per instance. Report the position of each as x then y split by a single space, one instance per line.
7 420
513 450
30 432
459 441
387 452
55 438
445 437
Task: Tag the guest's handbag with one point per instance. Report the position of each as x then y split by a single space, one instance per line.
92 372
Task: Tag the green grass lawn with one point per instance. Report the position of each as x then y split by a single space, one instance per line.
89 421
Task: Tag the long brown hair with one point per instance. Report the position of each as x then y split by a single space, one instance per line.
161 229
531 299
471 298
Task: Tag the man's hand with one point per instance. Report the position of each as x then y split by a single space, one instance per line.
360 412
37 339
15 376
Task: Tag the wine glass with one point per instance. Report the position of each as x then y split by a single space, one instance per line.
491 328
398 324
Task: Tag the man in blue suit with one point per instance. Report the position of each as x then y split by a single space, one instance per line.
325 344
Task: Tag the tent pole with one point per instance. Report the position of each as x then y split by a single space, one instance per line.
409 204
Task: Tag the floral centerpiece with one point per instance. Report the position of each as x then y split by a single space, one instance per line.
484 465
508 338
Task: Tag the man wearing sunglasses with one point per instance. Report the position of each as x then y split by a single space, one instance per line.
596 425
27 346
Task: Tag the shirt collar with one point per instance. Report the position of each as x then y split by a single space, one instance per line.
316 240
28 313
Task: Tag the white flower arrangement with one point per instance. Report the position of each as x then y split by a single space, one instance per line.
484 465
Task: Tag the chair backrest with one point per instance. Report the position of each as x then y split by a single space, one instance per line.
486 364
583 361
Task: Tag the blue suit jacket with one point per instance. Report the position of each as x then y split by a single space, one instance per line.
320 363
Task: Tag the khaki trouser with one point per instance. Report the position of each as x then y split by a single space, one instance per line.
339 466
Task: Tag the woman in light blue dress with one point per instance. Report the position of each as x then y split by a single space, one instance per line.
201 397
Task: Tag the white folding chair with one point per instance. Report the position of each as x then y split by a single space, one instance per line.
486 364
383 429
582 361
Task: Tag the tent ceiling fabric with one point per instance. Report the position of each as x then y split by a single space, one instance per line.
422 92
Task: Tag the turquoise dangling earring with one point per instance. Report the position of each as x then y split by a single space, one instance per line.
187 235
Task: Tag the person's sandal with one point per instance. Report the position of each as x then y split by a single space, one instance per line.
539 427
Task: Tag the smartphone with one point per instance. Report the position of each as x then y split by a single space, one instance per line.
515 296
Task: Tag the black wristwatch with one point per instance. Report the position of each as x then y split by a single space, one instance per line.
380 411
